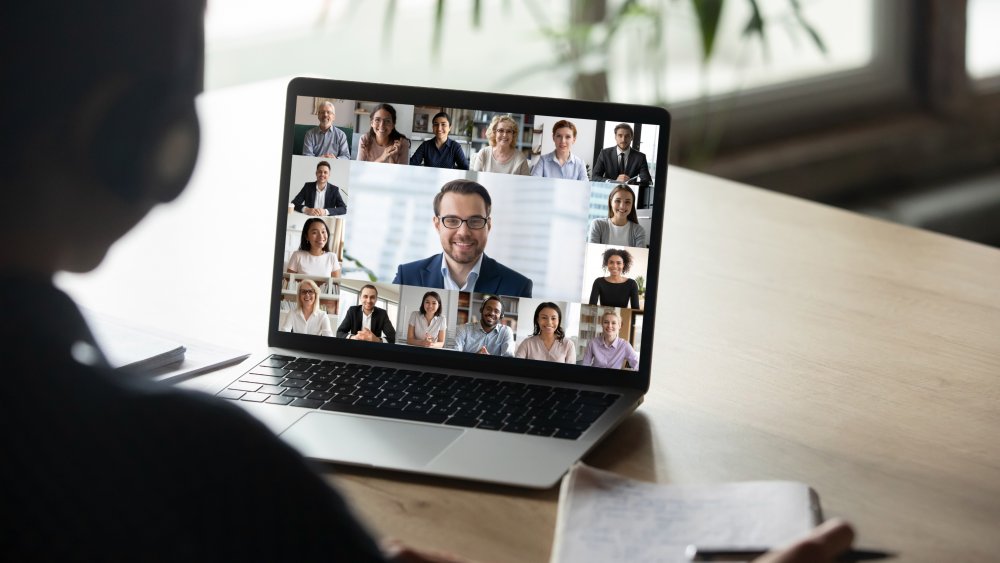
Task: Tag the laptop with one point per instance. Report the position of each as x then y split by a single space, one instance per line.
464 283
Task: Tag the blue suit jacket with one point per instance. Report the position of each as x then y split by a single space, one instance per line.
494 277
334 203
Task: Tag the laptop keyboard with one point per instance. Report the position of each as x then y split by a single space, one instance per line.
455 400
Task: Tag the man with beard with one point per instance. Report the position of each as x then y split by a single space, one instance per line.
326 140
488 336
462 220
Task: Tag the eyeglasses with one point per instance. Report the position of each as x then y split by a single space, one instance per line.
504 131
306 292
475 222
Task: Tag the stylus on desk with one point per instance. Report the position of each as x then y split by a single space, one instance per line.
694 553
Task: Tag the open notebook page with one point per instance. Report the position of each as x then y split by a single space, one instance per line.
604 517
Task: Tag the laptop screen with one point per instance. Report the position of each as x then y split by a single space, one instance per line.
453 228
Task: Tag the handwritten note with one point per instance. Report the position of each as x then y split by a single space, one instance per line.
604 517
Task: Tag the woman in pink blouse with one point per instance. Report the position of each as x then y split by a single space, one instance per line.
383 143
548 342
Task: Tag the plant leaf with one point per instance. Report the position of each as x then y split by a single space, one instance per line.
797 10
708 12
438 30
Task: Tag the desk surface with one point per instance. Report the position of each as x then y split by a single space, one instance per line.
795 341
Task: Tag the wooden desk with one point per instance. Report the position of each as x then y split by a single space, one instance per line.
795 341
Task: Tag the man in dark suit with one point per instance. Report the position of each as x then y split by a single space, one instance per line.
462 220
330 202
622 163
366 321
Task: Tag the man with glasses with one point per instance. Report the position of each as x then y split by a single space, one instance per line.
462 220
326 140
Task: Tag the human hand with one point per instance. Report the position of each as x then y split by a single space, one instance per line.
310 211
366 334
398 552
330 155
822 545
622 178
483 350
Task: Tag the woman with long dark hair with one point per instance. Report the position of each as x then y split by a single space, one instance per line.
383 143
548 342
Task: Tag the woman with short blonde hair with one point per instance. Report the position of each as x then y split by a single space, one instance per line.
502 155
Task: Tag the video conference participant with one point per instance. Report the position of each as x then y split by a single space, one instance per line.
326 140
502 155
615 289
622 163
365 321
383 143
427 326
306 317
488 336
610 350
462 220
621 227
562 163
313 256
441 151
549 341
320 197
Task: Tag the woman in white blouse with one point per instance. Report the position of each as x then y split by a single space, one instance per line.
502 155
307 317
428 326
548 342
313 256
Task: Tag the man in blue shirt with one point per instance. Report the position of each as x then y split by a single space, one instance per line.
488 336
441 151
326 140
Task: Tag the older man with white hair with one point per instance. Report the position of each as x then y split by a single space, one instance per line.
326 140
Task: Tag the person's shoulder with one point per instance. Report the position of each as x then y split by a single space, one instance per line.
490 263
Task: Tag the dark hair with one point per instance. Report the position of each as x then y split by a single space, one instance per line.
154 79
394 134
560 333
463 187
626 258
487 300
631 213
366 286
443 114
436 297
304 243
323 163
563 123
626 127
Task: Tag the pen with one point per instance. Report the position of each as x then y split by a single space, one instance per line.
694 553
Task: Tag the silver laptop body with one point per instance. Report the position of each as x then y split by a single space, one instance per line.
386 239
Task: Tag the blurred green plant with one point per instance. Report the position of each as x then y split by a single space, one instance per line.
582 44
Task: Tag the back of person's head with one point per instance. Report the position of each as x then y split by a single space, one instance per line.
98 111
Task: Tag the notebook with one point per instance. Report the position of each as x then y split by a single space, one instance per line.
607 517
464 283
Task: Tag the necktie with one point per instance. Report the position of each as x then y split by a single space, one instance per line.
621 163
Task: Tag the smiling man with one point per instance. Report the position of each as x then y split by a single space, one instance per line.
488 336
320 197
326 140
462 221
365 321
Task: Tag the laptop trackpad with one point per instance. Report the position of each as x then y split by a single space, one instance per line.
368 441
